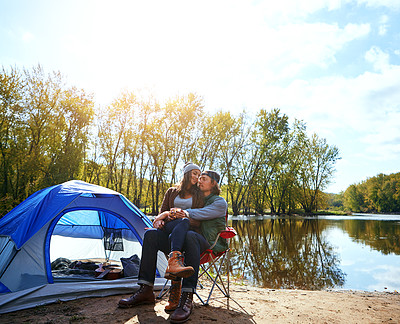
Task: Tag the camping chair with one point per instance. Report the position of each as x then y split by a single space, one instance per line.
211 261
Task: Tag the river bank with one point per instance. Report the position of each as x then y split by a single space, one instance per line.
248 305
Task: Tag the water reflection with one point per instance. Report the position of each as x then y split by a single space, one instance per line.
358 252
285 253
382 236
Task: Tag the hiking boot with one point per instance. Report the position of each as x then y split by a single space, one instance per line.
184 310
174 295
143 296
176 268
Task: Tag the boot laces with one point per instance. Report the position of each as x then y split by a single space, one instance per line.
140 290
175 291
184 299
180 260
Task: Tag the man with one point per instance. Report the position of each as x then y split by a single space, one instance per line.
212 218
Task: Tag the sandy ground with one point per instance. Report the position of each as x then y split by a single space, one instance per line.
247 305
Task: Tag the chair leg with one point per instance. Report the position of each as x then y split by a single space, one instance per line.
217 280
163 291
202 301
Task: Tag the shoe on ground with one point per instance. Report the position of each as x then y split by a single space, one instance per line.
184 310
144 295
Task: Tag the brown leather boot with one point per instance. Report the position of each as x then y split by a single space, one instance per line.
176 268
184 310
143 296
174 295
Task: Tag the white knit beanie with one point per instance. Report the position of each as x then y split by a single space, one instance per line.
189 167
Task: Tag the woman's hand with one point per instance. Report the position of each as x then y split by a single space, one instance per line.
158 223
179 213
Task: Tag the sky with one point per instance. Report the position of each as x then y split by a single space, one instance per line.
335 64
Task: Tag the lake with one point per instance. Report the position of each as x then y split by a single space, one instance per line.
358 252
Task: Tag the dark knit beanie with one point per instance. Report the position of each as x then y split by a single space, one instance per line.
213 175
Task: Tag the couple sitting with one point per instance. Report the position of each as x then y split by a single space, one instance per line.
192 215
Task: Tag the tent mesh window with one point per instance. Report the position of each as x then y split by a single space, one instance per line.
113 239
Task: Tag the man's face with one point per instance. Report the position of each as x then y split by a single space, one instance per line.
205 183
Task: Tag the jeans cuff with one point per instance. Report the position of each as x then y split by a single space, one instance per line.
186 289
144 282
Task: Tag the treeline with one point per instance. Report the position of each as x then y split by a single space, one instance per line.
51 133
379 194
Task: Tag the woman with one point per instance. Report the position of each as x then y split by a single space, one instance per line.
184 195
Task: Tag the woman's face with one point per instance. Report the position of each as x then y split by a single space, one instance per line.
195 176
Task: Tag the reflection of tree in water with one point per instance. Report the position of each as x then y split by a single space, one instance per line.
383 236
285 253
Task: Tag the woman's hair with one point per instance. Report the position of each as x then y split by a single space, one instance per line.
183 184
193 190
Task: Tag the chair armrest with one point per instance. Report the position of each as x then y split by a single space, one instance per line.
228 233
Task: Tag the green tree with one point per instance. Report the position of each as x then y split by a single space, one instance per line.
279 173
379 194
316 171
113 134
224 145
40 116
353 199
231 157
11 88
69 136
183 115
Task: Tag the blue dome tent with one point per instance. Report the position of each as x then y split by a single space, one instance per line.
73 221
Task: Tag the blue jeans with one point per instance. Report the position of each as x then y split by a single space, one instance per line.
157 240
177 230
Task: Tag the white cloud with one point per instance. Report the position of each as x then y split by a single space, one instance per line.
368 104
378 58
386 277
227 45
284 11
383 27
360 115
18 34
312 44
392 4
382 30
